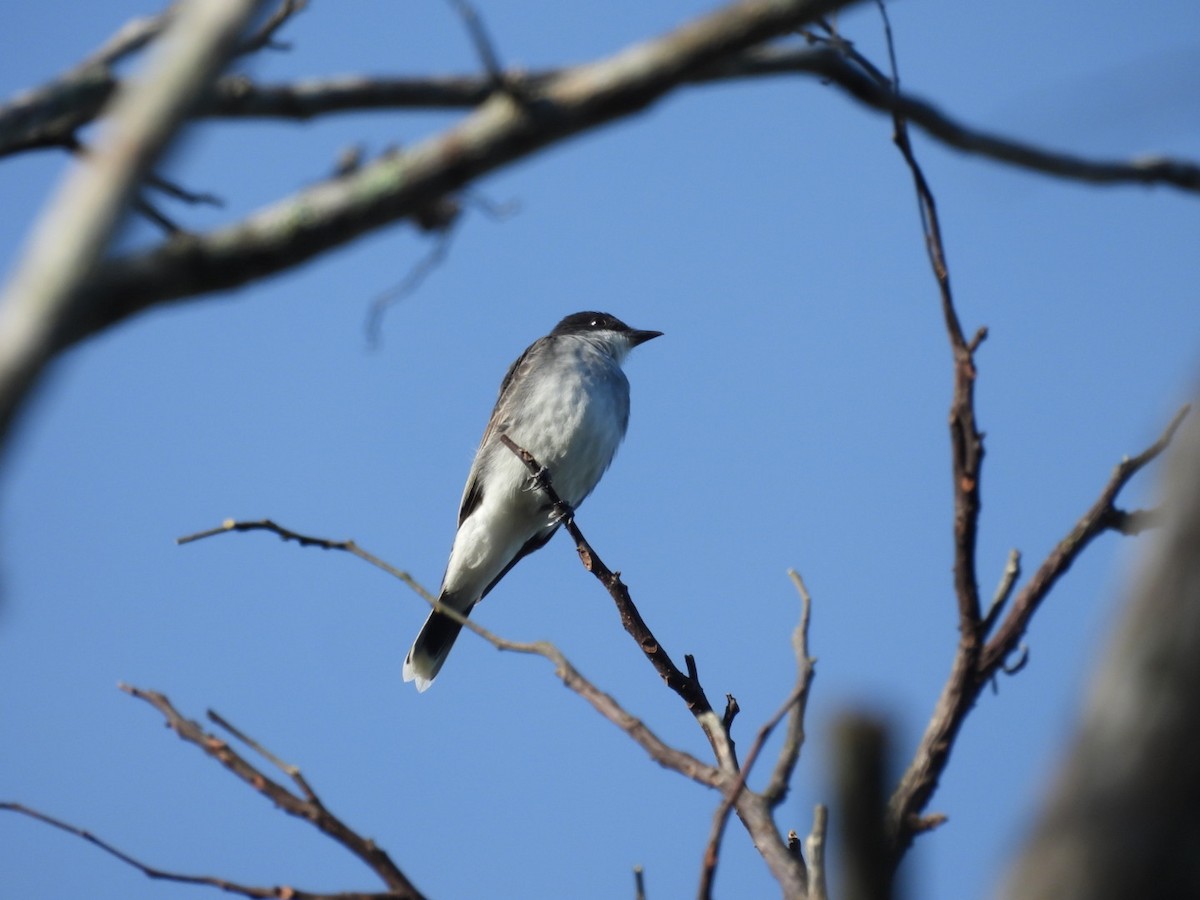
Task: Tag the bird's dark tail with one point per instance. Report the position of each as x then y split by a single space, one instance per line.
432 646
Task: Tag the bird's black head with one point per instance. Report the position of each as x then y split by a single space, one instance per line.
585 322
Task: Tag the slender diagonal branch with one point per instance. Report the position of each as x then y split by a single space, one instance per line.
658 750
223 884
686 685
348 546
1102 516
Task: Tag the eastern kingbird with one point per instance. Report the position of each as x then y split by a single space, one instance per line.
566 401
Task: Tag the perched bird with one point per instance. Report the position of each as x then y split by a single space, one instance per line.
566 401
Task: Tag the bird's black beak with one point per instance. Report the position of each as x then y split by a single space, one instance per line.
640 337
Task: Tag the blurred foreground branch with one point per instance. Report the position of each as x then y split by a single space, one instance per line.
44 292
1123 819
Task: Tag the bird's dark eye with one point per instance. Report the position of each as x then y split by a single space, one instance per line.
594 323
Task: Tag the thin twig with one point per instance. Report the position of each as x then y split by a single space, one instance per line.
231 887
413 280
781 778
291 771
129 39
966 440
1008 580
482 42
145 208
306 541
1103 516
178 192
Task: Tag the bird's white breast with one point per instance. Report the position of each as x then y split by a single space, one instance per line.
574 419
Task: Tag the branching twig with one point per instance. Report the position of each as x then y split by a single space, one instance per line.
144 207
308 808
1103 516
708 867
291 771
963 686
974 663
752 809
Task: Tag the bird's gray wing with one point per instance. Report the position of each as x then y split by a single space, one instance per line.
473 492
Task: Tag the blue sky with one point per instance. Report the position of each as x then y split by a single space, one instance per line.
793 415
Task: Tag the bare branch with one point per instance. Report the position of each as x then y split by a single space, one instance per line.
687 686
293 772
308 808
753 811
708 868
231 887
306 541
46 116
75 230
608 707
964 684
395 187
781 778
974 664
1103 516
